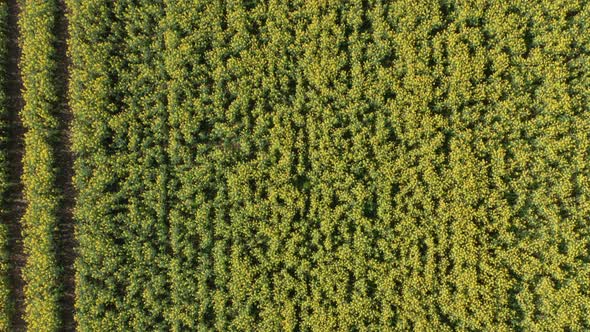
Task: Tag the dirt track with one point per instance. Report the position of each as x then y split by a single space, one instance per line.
15 147
67 243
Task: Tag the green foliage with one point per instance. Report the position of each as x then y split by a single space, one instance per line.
331 166
5 300
38 68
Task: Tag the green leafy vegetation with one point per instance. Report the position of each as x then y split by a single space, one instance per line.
275 165
40 223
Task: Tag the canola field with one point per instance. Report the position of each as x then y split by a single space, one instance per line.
297 165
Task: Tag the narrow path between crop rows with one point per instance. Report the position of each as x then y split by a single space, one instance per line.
65 163
15 202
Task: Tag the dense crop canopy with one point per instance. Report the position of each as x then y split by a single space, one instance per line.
332 165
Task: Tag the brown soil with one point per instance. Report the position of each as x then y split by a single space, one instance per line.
15 147
67 244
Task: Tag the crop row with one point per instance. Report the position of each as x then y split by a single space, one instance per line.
38 66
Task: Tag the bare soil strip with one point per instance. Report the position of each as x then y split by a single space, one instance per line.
16 204
65 162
